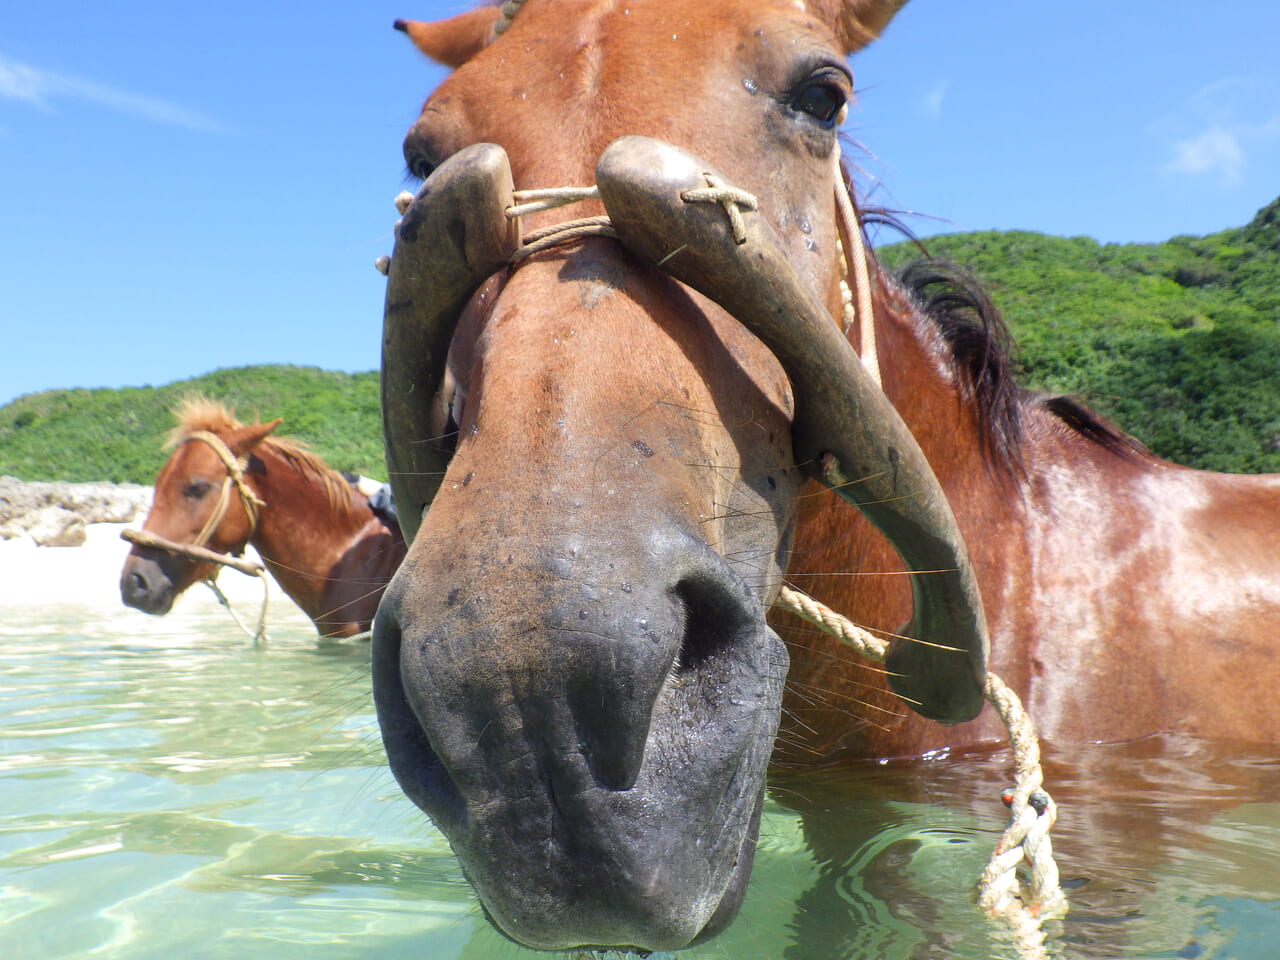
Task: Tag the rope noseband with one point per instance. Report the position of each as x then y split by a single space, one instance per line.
236 467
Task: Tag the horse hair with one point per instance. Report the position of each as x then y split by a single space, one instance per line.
980 349
978 343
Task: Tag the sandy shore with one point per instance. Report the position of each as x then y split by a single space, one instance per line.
88 576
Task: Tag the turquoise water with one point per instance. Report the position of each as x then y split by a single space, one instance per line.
167 790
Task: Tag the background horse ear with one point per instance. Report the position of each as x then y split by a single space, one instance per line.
243 439
857 22
454 41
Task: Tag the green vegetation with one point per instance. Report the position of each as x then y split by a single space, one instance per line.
1179 342
117 434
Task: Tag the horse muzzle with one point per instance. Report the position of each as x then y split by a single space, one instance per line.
846 434
145 586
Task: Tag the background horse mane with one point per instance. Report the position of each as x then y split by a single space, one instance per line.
977 349
200 413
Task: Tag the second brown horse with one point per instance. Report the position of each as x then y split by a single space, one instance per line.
319 538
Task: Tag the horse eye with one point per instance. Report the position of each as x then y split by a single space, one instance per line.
822 101
196 489
419 166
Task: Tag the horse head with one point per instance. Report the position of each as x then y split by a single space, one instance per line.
202 499
598 452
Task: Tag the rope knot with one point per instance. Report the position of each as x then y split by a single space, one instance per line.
732 199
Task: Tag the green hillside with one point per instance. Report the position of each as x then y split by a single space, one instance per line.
1179 342
117 435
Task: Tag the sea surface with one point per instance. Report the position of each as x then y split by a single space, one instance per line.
169 790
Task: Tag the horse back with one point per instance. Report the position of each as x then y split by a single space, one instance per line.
1155 599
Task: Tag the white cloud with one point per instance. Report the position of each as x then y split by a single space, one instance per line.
41 88
931 105
1215 151
1213 138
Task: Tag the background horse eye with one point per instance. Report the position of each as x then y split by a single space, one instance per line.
196 489
822 101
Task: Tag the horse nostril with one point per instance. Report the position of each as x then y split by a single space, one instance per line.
715 617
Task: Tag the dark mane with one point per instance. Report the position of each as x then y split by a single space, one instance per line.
978 346
979 349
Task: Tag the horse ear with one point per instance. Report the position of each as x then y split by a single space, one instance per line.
454 41
857 22
243 439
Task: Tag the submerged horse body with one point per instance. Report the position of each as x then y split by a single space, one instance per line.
600 451
230 484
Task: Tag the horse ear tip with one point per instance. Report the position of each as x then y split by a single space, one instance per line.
401 25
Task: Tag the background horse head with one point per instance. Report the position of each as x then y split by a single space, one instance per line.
229 484
572 670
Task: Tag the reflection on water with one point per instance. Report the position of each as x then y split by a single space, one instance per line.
167 790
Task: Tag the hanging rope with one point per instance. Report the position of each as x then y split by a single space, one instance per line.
1023 904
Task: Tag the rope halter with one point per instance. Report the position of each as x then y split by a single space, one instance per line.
236 467
856 308
1022 905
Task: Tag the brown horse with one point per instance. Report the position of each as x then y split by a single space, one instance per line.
572 670
230 484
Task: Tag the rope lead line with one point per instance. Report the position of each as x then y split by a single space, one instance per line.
1024 906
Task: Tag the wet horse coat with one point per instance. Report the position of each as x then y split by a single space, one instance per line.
1127 596
329 551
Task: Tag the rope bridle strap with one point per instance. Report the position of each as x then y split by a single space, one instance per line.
856 307
236 467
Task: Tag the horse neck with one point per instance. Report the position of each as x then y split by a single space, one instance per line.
302 531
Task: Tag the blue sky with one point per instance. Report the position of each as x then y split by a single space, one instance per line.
190 187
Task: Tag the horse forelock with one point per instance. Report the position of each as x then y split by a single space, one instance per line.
198 413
